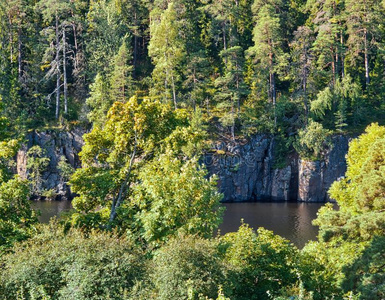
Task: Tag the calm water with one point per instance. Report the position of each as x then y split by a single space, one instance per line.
289 219
50 209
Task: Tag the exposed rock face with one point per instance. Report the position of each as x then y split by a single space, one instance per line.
55 144
315 178
246 171
242 170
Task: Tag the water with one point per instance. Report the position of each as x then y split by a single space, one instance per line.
50 209
291 220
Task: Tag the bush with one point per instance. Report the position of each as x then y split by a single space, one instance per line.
187 267
311 141
52 265
17 218
259 265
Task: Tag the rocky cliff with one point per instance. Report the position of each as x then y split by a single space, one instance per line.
245 170
56 144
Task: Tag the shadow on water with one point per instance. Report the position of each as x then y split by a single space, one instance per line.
291 220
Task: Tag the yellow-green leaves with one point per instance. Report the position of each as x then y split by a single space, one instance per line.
363 188
175 196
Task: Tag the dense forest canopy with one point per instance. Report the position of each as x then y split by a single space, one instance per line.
252 66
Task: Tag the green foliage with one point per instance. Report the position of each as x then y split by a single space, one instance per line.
53 265
121 78
8 150
311 141
175 196
110 155
259 265
366 274
362 189
167 51
66 170
354 232
332 104
99 101
37 162
17 219
187 267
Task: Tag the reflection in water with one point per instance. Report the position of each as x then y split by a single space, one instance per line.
288 219
49 209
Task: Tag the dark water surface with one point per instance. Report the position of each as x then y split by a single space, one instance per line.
291 220
50 209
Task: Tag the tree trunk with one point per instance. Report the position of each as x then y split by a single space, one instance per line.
123 188
57 69
305 103
173 91
19 56
333 67
76 46
304 84
135 43
367 78
273 94
65 72
272 87
342 56
233 125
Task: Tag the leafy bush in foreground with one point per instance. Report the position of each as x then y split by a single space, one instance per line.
56 266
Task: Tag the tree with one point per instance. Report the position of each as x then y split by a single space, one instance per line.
311 141
362 189
74 266
268 40
167 51
259 264
187 267
99 101
111 155
230 87
17 218
354 231
328 45
37 162
361 21
55 13
333 104
121 76
366 274
302 57
176 197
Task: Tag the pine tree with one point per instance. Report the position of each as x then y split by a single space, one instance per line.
230 87
121 77
302 58
167 51
328 45
267 51
362 18
99 101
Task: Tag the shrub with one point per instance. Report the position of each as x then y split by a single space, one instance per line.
53 265
187 267
259 265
